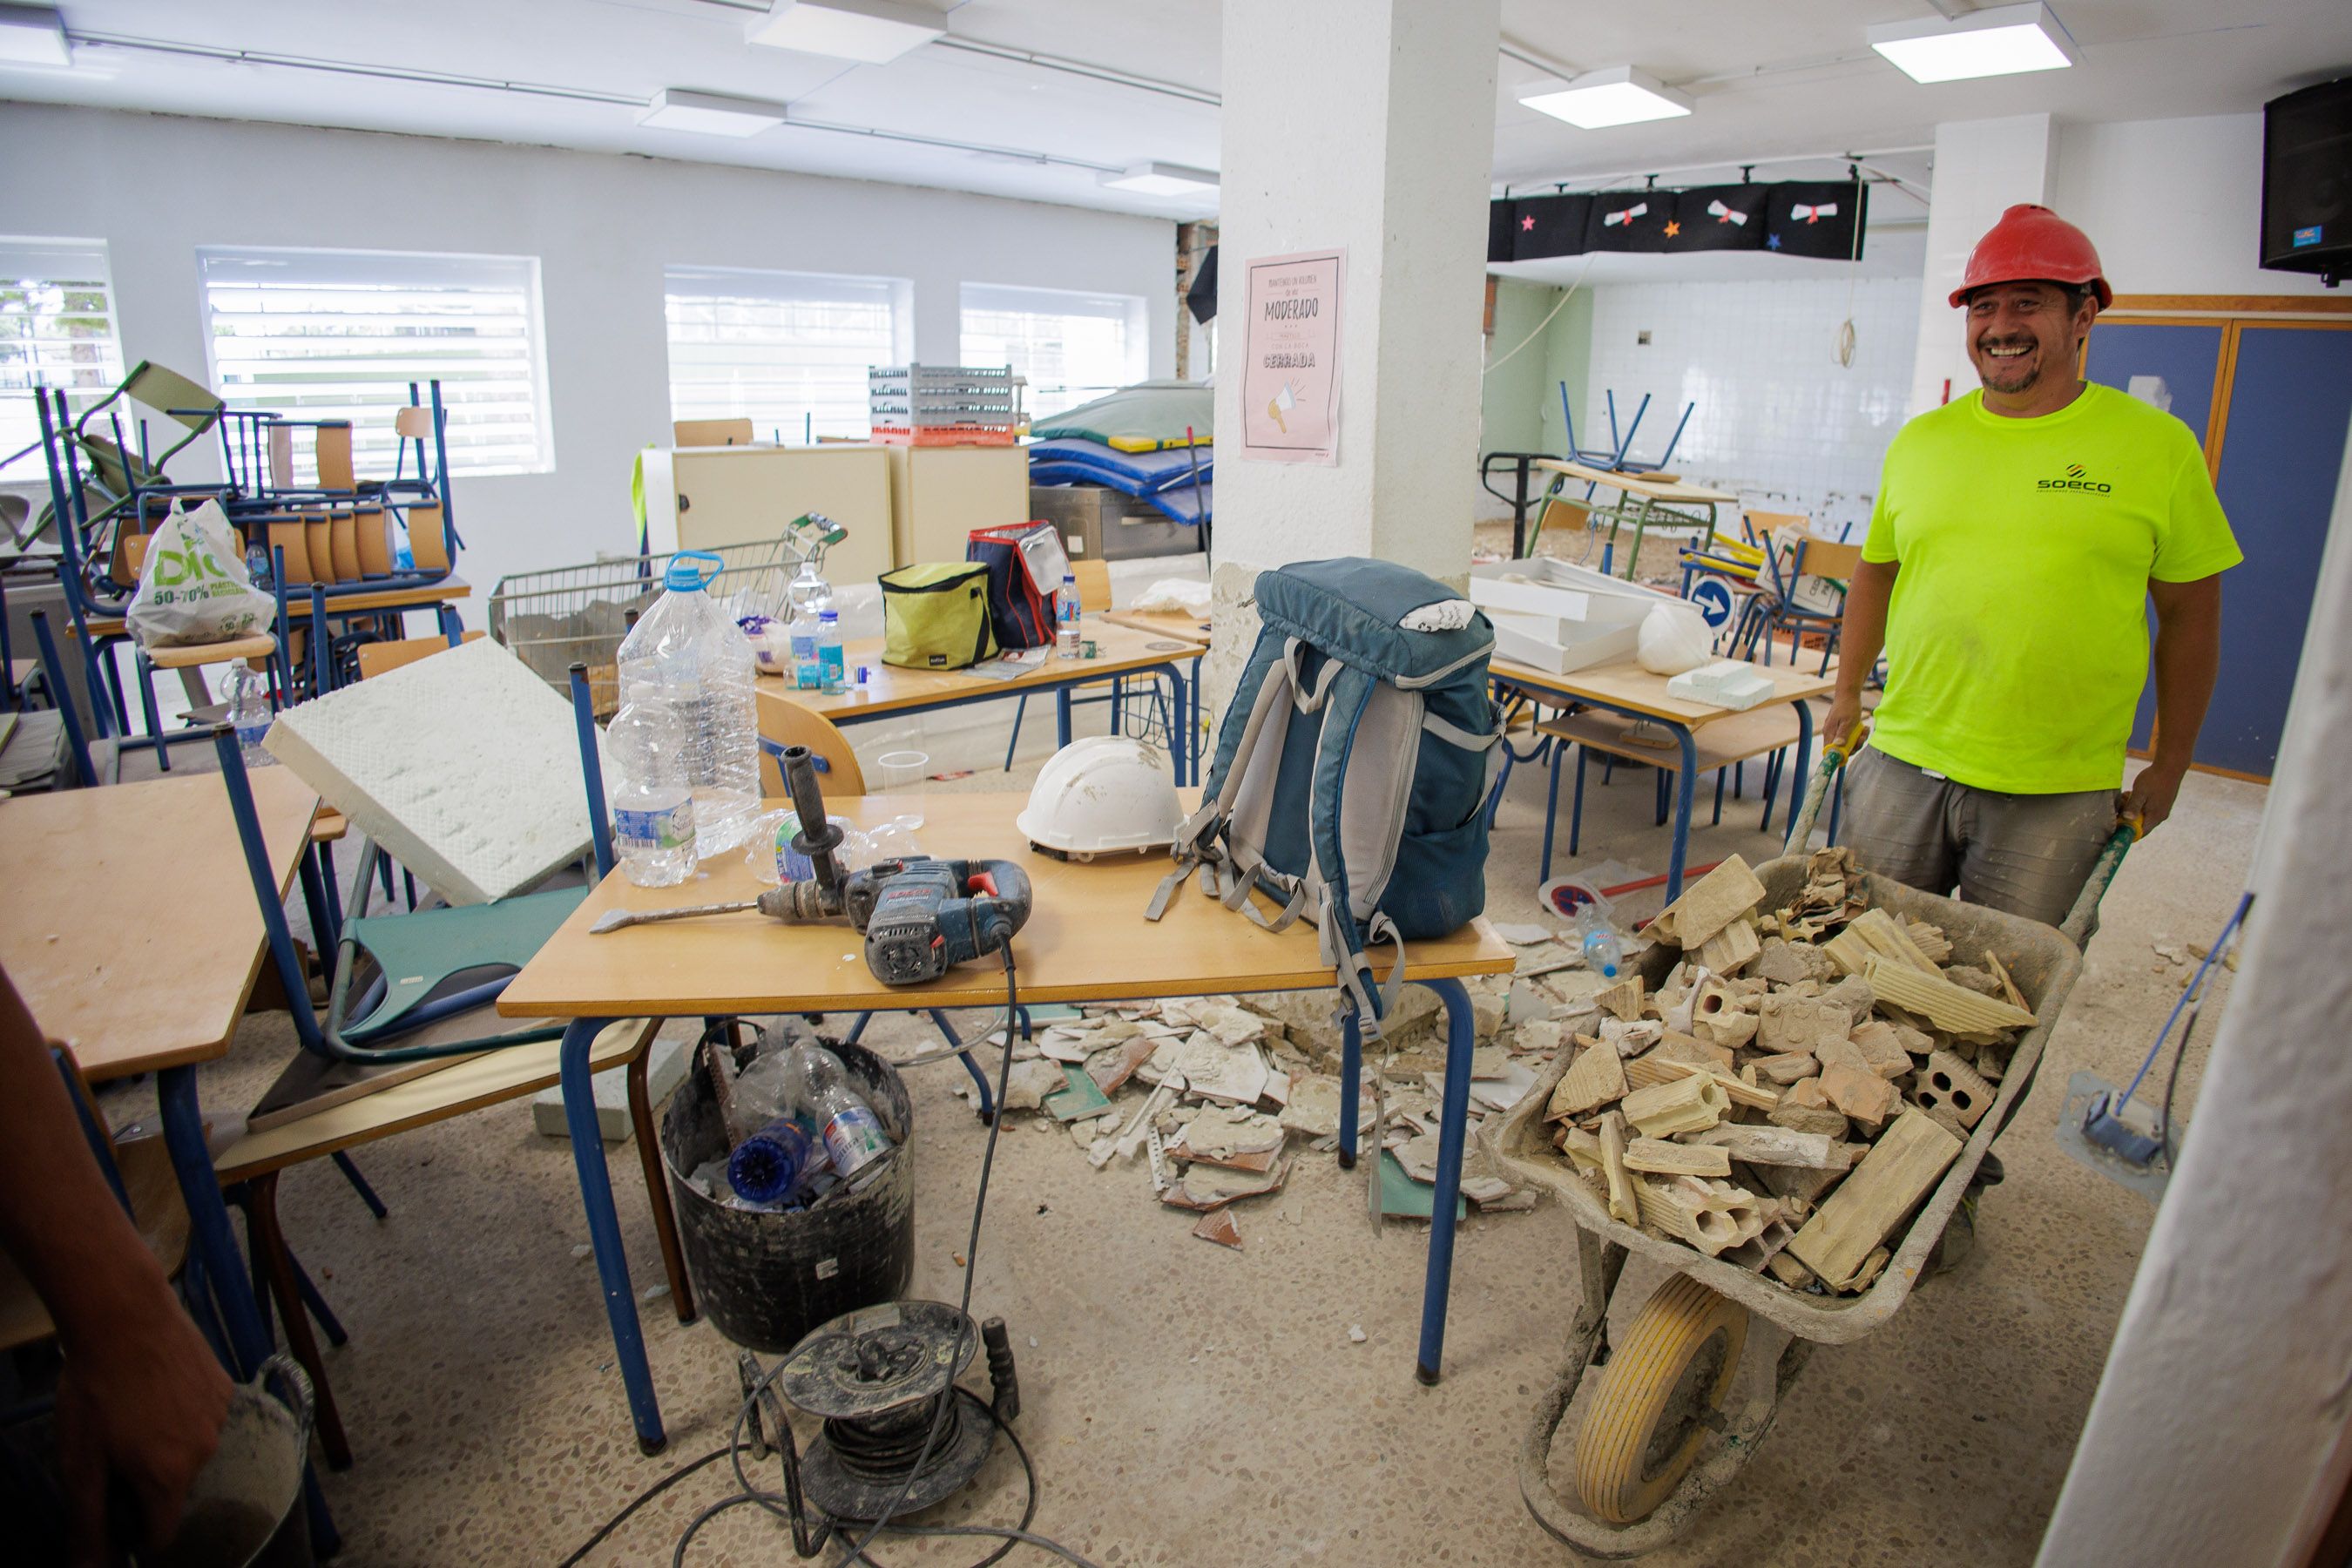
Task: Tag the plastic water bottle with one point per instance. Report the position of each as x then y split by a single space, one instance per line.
1065 612
688 661
653 809
818 1086
257 565
808 664
771 1165
807 591
249 715
830 674
1597 935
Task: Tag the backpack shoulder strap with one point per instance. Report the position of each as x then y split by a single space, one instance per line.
1272 664
1343 700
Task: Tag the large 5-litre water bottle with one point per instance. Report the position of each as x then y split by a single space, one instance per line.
653 809
687 660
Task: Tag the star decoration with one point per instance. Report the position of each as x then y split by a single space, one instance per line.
1673 229
1526 224
1773 241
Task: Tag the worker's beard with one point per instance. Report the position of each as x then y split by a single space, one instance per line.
2013 374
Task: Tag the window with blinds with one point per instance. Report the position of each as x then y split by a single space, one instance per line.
1071 347
56 330
789 350
344 334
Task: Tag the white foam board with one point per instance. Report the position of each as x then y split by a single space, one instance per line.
665 1071
464 766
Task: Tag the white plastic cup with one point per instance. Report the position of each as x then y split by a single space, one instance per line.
903 770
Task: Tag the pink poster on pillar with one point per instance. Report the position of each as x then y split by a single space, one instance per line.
1290 361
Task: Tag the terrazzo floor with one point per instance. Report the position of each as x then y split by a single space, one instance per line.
1189 1403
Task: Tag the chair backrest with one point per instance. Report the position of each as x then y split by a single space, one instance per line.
281 456
333 450
1828 557
383 658
1093 575
414 423
166 390
711 432
428 545
1763 525
789 724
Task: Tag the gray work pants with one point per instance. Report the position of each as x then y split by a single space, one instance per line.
2027 853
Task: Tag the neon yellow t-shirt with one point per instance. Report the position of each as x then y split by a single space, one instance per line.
2016 640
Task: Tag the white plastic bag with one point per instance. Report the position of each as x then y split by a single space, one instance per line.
193 588
1675 639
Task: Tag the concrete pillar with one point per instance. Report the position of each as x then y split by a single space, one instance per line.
2218 1432
1982 167
1368 124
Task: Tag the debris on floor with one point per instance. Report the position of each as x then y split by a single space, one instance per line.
1801 1080
1216 1097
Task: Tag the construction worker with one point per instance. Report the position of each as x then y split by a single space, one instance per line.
2019 531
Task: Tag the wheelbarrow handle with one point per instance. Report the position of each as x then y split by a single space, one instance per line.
2076 927
1833 757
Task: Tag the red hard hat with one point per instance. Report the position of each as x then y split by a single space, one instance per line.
2033 244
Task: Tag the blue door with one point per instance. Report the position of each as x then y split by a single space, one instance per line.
2182 357
2281 451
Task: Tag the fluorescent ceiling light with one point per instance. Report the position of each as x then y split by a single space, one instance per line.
32 36
873 31
709 113
1162 180
1618 96
2002 41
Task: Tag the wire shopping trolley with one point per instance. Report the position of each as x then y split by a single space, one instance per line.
564 615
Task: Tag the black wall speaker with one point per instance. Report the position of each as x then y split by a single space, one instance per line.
2307 182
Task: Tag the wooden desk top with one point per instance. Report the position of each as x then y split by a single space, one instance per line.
133 932
1625 684
1670 490
298 603
891 689
1163 624
1087 938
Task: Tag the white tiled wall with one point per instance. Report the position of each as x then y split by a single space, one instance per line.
1776 418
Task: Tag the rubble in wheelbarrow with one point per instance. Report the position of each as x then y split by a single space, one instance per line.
1798 1083
1218 1098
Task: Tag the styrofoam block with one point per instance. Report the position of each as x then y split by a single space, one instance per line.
665 1071
1728 684
464 766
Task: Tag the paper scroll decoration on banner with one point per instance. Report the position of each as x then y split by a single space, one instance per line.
1817 218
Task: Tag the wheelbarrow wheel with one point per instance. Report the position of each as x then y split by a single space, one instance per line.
1660 1396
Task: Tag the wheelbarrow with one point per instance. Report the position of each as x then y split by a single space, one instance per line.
1676 1411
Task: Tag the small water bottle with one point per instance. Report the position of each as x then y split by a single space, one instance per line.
257 565
652 809
771 1165
1065 610
808 667
830 674
249 715
1597 936
818 1086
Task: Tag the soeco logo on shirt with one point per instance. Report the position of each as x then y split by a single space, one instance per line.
2073 479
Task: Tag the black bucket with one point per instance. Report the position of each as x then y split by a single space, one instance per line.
766 1279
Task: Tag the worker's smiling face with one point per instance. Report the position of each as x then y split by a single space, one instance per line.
2020 333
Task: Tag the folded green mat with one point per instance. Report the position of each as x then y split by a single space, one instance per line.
1144 418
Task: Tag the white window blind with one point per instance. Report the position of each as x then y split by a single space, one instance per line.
56 330
787 349
340 334
1072 347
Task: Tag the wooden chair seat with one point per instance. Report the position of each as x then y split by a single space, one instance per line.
260 645
155 1206
454 1086
1720 744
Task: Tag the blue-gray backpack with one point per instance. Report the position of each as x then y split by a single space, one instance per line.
1352 769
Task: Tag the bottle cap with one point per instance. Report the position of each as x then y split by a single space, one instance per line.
828 616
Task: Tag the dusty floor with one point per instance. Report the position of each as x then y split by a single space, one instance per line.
1187 1404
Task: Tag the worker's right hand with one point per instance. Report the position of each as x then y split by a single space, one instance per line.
143 1399
1838 729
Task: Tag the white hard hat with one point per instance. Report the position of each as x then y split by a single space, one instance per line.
1101 795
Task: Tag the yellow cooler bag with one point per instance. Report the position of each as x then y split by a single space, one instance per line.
936 616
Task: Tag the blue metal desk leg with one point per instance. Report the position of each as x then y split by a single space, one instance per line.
1685 782
1062 716
1798 774
1352 1088
1179 744
1461 1039
604 1231
939 1022
1575 813
1551 810
215 1248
